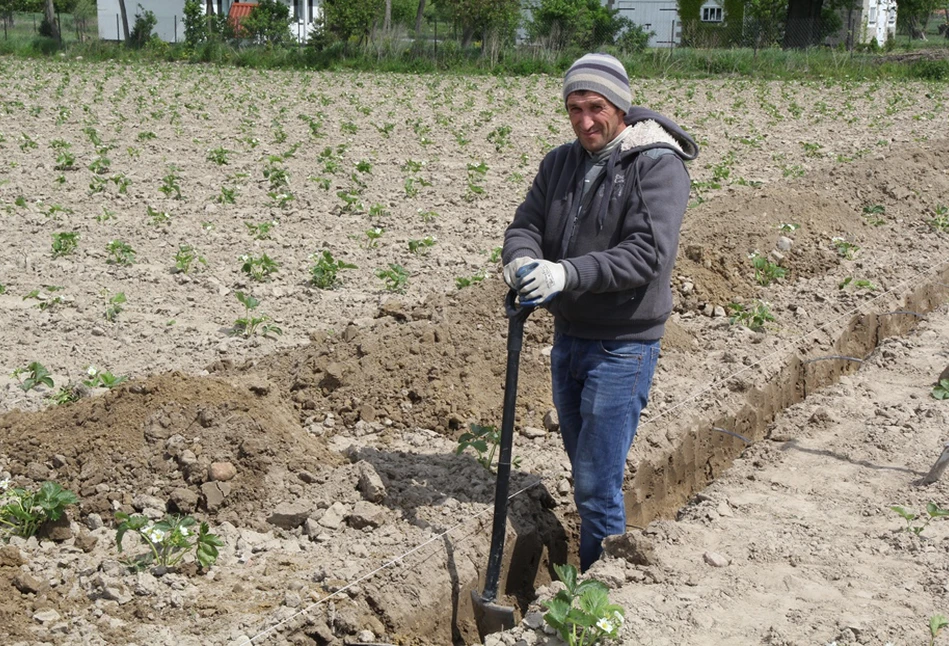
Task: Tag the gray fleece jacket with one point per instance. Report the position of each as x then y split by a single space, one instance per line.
618 253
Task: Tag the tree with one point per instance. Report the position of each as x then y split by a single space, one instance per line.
484 17
913 17
51 21
765 21
585 23
418 18
347 18
269 22
802 27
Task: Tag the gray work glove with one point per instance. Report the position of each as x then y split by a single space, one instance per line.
540 281
510 270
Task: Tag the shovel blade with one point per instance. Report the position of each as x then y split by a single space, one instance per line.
490 616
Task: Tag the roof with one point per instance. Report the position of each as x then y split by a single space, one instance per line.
240 10
237 13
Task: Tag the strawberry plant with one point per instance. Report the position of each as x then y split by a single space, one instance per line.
114 307
64 243
36 375
258 269
581 613
170 539
23 512
248 325
120 253
395 278
324 274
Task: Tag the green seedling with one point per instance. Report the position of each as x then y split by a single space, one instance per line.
65 395
324 274
754 318
158 217
260 231
105 216
916 523
411 190
170 185
122 183
351 200
55 209
484 440
941 390
500 137
227 196
859 283
120 253
766 272
249 325
378 211
258 269
364 166
581 613
65 159
147 135
114 307
102 378
385 130
788 227
395 278
936 625
495 256
476 174
169 540
419 247
873 214
412 166
844 248
349 127
20 201
27 143
64 243
940 220
47 300
23 512
36 375
427 216
467 281
372 237
219 155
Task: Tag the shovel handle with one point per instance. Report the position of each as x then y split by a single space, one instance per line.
516 315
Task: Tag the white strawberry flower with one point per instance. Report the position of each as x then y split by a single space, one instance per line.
604 624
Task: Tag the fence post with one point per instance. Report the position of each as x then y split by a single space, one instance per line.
672 38
436 37
176 29
117 38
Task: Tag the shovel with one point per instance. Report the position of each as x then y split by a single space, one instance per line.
490 616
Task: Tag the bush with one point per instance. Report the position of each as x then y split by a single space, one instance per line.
930 70
634 39
269 23
142 30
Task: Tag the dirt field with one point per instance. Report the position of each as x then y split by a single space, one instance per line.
347 517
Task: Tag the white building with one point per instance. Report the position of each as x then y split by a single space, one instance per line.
170 16
867 20
658 16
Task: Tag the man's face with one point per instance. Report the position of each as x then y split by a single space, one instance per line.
595 120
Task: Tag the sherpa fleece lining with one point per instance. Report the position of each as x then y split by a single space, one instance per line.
646 133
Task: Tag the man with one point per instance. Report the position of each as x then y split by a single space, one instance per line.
594 242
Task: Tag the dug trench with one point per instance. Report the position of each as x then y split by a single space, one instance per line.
341 453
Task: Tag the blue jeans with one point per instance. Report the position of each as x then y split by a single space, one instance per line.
599 389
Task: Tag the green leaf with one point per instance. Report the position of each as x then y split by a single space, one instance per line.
568 575
935 512
908 515
936 624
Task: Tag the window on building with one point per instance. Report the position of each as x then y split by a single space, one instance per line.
711 14
873 15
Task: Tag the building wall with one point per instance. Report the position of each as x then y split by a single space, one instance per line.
170 16
659 16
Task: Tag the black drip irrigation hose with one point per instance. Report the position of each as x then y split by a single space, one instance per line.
831 357
916 314
733 434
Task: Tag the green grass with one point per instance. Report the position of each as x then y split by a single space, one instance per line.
422 57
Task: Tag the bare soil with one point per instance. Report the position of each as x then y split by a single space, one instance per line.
761 480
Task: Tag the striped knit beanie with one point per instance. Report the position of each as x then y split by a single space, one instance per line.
600 73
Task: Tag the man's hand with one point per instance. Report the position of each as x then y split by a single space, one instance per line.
510 270
540 281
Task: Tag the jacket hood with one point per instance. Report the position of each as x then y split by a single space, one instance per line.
649 129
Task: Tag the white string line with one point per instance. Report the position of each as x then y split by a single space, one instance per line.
385 565
645 422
